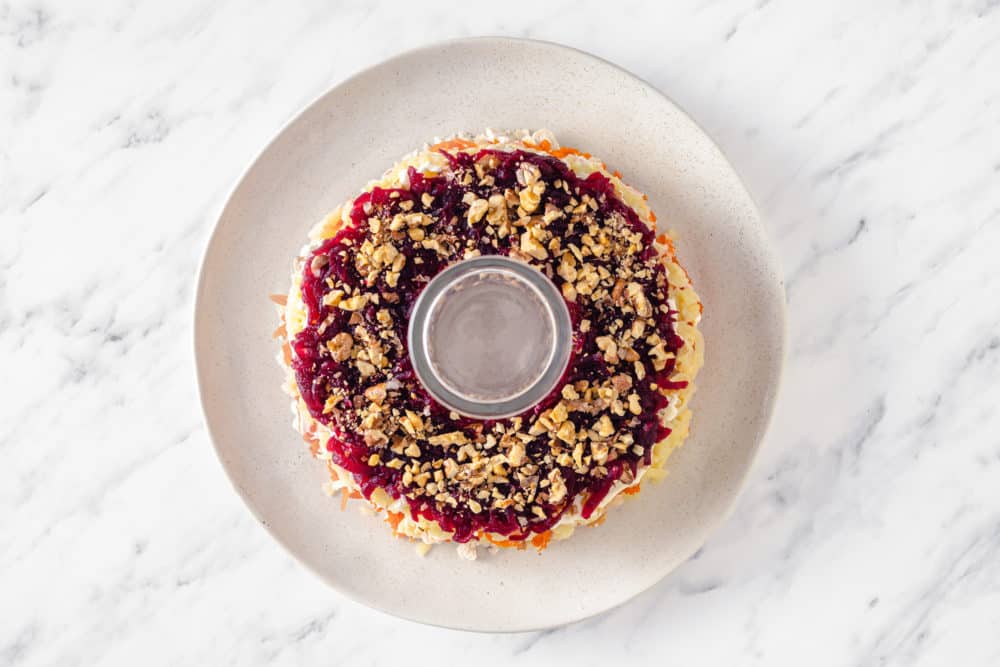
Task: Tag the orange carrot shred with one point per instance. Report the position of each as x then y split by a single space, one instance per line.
541 540
632 490
344 496
616 174
393 519
504 544
566 150
312 442
280 299
454 144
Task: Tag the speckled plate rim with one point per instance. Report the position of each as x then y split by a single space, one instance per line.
737 486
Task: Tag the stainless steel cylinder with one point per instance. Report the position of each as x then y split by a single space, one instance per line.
489 337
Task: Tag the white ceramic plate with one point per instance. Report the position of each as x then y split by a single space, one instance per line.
352 134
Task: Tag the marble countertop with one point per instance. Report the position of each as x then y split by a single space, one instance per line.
869 133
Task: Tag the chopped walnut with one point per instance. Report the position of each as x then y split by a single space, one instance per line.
567 268
527 174
365 368
567 432
496 213
333 298
552 213
412 423
617 291
356 302
621 383
340 346
557 486
531 196
376 393
452 438
515 456
638 300
375 438
477 210
531 246
604 427
607 345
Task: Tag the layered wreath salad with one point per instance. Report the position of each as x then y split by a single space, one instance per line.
433 475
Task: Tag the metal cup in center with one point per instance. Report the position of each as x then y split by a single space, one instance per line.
490 337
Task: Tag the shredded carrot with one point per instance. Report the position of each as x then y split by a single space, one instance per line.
541 540
505 544
453 144
561 152
567 150
346 495
663 239
335 475
279 332
312 442
286 353
616 174
393 519
632 490
280 299
652 216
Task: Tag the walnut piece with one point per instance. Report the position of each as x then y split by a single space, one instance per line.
340 346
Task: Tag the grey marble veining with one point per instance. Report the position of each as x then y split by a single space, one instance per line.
869 532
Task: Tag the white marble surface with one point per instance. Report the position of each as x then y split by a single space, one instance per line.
869 133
